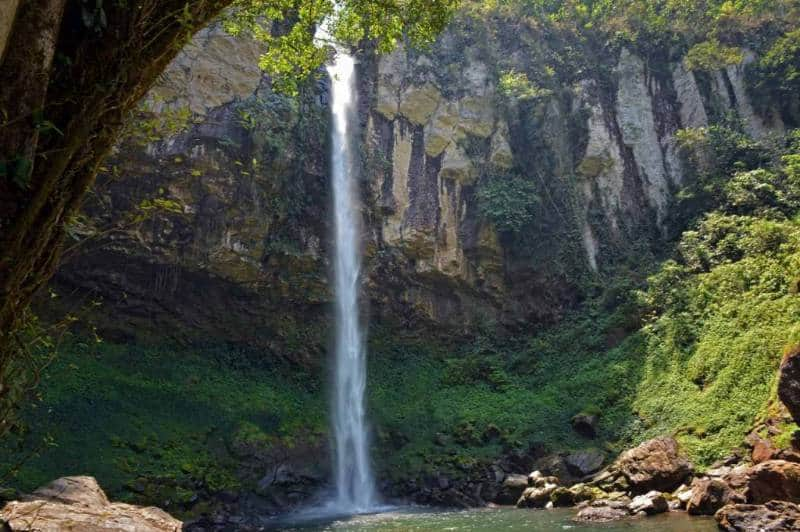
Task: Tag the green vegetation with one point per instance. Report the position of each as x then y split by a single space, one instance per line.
292 54
162 425
508 201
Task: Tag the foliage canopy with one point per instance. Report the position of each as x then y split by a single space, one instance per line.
288 29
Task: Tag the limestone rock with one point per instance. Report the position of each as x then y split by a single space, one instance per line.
391 71
772 516
500 154
214 69
789 382
709 495
651 503
457 166
78 503
692 111
418 103
441 130
654 465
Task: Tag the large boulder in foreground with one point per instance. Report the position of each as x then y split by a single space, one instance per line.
773 480
789 382
654 465
772 516
78 503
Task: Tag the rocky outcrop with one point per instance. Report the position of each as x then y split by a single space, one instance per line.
709 495
651 503
200 228
789 382
78 503
584 463
773 516
654 465
773 480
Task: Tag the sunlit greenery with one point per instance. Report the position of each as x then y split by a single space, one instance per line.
288 29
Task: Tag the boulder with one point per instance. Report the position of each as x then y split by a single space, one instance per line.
789 382
536 497
763 449
709 495
562 497
654 465
773 480
681 496
651 503
538 480
583 463
603 511
78 503
584 492
585 424
511 489
768 517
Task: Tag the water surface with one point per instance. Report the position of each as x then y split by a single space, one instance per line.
495 520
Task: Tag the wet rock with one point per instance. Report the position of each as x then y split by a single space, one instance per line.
537 479
603 511
562 497
537 495
78 503
768 517
654 465
681 497
651 503
512 488
584 492
773 480
709 495
789 382
583 463
585 424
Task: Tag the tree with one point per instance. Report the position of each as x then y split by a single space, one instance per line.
71 73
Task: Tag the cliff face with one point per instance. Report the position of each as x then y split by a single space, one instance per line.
218 230
600 150
206 223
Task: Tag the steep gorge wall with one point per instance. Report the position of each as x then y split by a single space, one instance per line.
600 149
219 232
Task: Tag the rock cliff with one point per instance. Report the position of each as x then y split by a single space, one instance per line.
217 229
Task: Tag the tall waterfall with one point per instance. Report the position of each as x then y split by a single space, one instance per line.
355 486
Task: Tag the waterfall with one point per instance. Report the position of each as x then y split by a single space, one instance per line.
355 486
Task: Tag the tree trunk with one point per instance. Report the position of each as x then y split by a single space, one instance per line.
59 120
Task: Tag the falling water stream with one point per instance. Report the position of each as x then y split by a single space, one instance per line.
355 485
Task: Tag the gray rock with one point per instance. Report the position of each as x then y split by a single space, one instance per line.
773 516
651 503
583 463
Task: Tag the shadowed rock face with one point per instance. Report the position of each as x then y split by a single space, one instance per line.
80 504
789 382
